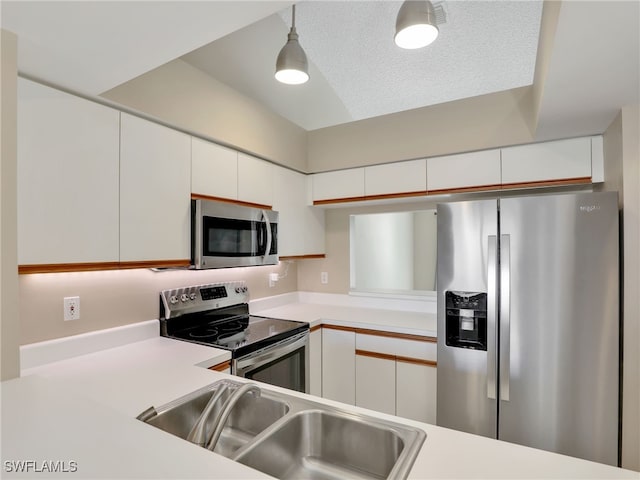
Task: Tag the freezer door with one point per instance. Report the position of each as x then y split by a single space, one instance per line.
559 322
467 263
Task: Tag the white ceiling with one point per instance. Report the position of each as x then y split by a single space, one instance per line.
356 71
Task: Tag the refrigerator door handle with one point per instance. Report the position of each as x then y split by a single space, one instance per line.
492 266
505 316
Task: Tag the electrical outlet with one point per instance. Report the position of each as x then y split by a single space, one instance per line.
71 308
273 278
324 278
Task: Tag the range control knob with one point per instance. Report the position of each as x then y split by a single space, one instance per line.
192 296
184 297
173 299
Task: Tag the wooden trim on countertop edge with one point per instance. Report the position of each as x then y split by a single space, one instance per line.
221 367
302 257
95 266
315 328
396 358
197 196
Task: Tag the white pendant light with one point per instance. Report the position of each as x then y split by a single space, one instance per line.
416 24
291 66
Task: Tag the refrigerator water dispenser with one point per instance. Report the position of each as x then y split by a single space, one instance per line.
466 320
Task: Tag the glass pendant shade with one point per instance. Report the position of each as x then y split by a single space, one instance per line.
416 24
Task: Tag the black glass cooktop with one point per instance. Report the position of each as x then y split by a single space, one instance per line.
241 334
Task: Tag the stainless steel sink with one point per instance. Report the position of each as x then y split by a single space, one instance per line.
293 437
250 416
317 444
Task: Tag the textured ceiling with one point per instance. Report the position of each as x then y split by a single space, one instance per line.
358 72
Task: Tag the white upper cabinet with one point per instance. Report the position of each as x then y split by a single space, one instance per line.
155 191
463 171
214 170
396 178
548 161
255 180
340 184
300 227
67 178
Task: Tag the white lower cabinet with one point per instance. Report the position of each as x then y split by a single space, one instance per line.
339 365
315 362
416 391
380 371
376 383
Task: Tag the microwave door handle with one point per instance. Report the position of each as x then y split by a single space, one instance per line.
268 228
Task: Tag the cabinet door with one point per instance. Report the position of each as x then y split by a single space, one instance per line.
539 162
400 177
315 362
289 195
214 170
464 171
67 178
155 191
416 391
376 383
339 365
255 180
340 184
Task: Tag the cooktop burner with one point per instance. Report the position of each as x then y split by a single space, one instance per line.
218 315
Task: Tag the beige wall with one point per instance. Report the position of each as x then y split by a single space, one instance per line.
471 124
631 306
336 263
183 96
113 298
9 320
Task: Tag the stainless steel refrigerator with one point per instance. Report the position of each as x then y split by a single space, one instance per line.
528 321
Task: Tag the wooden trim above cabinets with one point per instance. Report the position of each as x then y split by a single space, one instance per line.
197 196
302 257
482 188
95 266
221 367
382 196
549 183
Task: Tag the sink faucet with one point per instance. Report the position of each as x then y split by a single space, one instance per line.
222 417
198 433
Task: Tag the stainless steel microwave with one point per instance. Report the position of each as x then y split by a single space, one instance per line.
227 235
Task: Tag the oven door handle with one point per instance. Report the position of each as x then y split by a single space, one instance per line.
270 353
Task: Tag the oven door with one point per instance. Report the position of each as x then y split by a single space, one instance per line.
285 364
227 235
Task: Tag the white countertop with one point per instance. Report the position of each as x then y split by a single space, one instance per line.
411 322
83 409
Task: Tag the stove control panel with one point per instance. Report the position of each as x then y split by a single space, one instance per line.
200 298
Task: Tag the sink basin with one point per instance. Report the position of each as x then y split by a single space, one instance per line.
250 416
294 437
319 444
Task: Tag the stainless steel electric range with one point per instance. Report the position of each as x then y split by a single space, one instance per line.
265 349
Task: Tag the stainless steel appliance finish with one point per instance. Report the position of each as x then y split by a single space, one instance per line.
548 266
227 235
266 349
293 437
